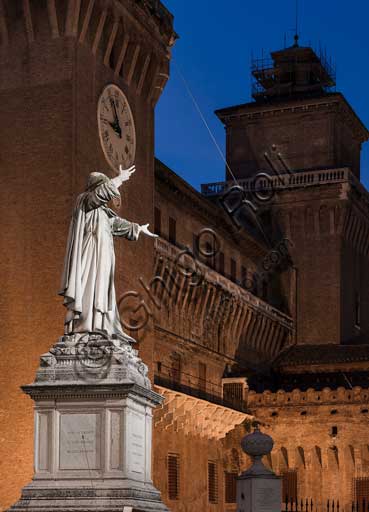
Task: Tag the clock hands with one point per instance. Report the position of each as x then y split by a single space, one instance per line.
115 125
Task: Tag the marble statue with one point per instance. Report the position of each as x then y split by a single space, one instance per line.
88 276
93 447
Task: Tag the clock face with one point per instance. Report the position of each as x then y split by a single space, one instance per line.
116 128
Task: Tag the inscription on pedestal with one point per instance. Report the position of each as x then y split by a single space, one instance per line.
116 436
266 498
79 441
137 445
43 445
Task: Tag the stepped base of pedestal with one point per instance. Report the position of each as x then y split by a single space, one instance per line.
132 498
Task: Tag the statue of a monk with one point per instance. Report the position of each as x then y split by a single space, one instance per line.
88 276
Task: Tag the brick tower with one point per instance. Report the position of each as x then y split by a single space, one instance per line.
56 57
301 130
313 396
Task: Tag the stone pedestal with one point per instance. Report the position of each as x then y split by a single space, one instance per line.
259 494
258 488
93 428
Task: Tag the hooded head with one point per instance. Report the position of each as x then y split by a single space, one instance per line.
95 179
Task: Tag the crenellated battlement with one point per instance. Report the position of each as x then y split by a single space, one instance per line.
311 397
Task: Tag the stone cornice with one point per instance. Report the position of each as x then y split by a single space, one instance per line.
90 391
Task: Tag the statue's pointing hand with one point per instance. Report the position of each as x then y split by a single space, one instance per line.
145 229
125 174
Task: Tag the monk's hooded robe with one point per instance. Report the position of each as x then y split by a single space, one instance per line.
88 277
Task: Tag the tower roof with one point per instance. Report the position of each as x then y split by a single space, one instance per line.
293 71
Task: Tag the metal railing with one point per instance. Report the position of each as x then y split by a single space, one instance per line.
329 505
192 385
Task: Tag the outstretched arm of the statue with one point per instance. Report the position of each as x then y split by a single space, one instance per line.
125 228
130 230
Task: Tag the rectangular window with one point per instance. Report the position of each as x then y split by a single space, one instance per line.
157 221
172 231
176 368
230 486
233 270
289 485
221 263
265 290
249 280
202 377
209 254
195 245
361 490
233 394
212 482
357 310
173 476
243 276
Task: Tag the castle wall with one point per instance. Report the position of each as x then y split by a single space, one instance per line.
303 426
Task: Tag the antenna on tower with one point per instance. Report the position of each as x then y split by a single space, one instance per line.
297 24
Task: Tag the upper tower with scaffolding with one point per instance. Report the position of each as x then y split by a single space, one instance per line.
293 71
295 112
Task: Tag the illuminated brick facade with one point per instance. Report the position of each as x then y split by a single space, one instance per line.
222 334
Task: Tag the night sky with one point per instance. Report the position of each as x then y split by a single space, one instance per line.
217 39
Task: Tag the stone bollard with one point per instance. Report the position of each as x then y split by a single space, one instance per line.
258 488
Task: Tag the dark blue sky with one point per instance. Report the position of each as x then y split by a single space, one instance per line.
213 53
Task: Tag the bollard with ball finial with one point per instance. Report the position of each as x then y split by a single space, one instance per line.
258 488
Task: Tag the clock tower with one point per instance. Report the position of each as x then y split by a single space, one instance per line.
78 85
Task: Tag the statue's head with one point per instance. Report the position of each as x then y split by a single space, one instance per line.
95 179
